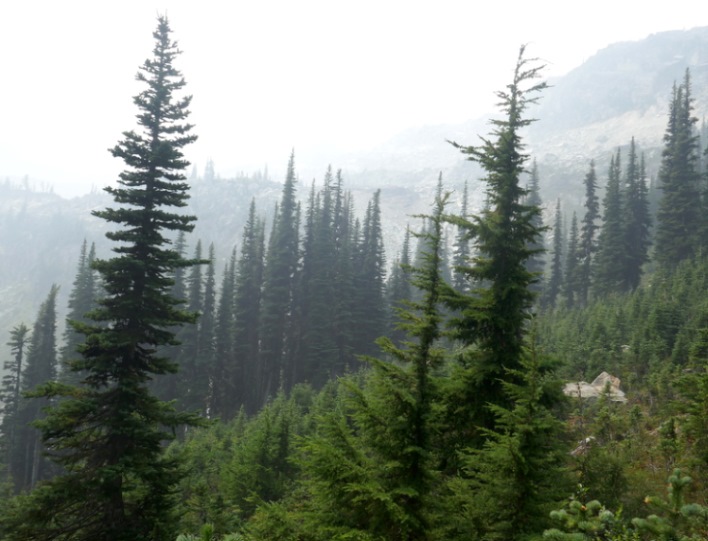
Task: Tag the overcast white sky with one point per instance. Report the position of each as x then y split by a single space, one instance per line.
271 75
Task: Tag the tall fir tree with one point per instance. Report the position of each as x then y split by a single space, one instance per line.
179 287
492 320
40 367
536 262
192 379
279 274
11 428
399 289
82 300
108 434
370 261
247 309
316 343
344 285
207 330
679 214
588 240
636 218
571 268
222 396
555 276
461 248
609 262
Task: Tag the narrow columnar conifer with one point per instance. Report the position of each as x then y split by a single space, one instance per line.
555 275
588 241
536 263
609 267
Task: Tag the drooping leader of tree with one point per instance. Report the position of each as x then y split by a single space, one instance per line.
107 433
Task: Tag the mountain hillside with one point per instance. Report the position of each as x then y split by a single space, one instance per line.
620 92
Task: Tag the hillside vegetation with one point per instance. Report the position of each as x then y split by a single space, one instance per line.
268 361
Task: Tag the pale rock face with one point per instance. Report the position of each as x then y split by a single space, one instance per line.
582 389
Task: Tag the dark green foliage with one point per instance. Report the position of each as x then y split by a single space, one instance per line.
582 521
491 320
399 290
461 250
275 364
247 309
555 278
611 250
571 276
518 476
369 274
588 241
221 399
315 312
344 283
207 332
107 435
11 399
636 219
261 468
632 335
369 468
535 264
693 403
672 519
26 458
233 468
193 357
81 301
676 520
679 216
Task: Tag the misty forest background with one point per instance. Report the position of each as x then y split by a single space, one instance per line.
315 427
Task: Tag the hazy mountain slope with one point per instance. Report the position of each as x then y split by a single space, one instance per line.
620 92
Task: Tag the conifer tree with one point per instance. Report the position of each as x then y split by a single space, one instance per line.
247 309
536 263
461 249
609 262
679 214
192 379
222 398
207 332
316 343
344 247
81 301
107 435
280 268
636 218
39 368
370 261
398 289
370 471
555 279
11 399
445 270
588 243
570 276
179 288
519 475
492 319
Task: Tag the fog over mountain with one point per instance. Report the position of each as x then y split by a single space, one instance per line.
620 92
